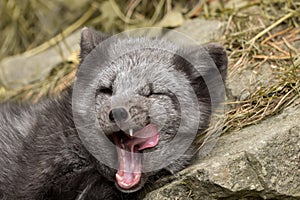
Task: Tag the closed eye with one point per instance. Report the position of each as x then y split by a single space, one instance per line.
155 93
148 91
105 90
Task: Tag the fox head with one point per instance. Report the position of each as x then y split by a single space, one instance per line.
150 98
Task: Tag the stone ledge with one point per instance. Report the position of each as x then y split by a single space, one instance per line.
257 162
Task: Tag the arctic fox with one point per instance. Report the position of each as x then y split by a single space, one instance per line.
140 101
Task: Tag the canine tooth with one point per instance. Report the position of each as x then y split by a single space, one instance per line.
119 177
135 177
131 132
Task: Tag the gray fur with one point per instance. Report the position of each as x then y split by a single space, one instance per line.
42 156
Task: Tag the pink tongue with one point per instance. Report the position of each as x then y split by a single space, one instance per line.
129 172
145 138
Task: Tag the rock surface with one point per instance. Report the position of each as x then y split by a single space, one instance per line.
20 70
257 162
242 84
195 29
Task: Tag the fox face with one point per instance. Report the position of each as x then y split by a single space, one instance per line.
150 102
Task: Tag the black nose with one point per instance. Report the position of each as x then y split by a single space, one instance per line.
118 114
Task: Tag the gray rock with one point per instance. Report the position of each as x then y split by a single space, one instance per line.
202 31
258 162
193 31
242 84
19 70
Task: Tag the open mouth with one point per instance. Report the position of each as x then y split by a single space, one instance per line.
129 147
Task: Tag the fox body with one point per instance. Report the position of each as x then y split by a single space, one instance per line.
137 105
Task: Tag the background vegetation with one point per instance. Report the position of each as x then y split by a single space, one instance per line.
257 32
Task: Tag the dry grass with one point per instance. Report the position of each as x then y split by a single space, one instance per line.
258 31
266 101
58 80
28 23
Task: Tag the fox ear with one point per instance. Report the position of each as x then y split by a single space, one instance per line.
219 56
207 72
89 40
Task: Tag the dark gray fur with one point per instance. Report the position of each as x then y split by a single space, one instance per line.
41 155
